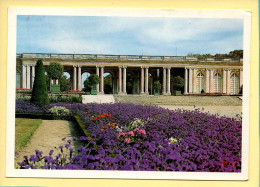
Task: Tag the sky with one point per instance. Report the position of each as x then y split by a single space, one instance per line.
127 35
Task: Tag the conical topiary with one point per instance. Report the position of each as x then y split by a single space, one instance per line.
39 92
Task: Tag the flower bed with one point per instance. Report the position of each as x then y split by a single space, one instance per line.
140 137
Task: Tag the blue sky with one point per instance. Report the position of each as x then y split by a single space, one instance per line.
127 35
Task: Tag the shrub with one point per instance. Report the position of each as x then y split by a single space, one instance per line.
157 86
39 92
178 82
59 110
20 96
91 81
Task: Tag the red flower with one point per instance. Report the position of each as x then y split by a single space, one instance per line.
224 163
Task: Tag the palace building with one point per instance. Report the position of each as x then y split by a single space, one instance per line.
135 74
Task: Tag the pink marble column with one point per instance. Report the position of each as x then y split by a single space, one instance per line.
168 81
102 79
164 81
74 78
79 78
142 80
119 79
97 73
146 80
186 81
124 79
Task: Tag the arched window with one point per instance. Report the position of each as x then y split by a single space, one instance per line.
234 84
18 79
200 83
217 83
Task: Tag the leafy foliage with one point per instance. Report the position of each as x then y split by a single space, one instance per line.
64 83
157 86
178 82
55 70
92 80
39 92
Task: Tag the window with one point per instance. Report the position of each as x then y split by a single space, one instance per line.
234 84
217 83
200 83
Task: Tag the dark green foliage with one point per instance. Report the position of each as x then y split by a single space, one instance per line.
157 86
91 81
55 70
108 84
178 83
232 54
64 83
39 92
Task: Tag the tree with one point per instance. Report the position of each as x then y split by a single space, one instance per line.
157 86
91 81
64 83
55 70
178 83
39 92
108 84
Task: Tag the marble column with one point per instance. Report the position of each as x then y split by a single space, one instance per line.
28 76
102 79
164 81
228 82
194 81
33 75
119 79
224 84
142 80
190 80
146 80
186 81
211 82
79 78
124 80
241 78
207 81
169 81
74 78
24 76
97 73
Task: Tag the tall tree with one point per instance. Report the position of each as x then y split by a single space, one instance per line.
55 70
39 92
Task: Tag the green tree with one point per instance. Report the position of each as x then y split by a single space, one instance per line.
55 70
64 83
157 86
91 81
39 92
108 84
178 83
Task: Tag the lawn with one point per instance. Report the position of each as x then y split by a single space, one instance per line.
24 129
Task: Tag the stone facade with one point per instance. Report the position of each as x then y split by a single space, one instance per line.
208 75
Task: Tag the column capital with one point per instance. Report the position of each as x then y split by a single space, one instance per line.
79 66
120 67
124 67
74 66
168 67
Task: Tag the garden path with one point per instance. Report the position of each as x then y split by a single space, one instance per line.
228 111
48 136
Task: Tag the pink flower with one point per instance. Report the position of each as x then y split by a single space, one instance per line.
127 140
131 133
120 134
142 131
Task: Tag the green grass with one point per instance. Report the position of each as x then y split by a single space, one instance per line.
24 129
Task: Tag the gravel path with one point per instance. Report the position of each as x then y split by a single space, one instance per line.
228 111
47 136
